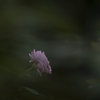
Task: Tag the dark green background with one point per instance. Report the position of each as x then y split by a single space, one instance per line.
68 31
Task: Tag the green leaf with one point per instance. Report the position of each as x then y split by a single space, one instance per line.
30 90
93 82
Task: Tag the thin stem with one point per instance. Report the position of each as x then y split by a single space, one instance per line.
30 68
6 69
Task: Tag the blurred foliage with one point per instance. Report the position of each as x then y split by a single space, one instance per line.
67 31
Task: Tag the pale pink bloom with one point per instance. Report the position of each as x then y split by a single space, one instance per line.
41 62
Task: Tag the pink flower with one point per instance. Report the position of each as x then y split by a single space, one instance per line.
41 62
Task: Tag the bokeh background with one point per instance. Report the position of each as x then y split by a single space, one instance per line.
68 31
